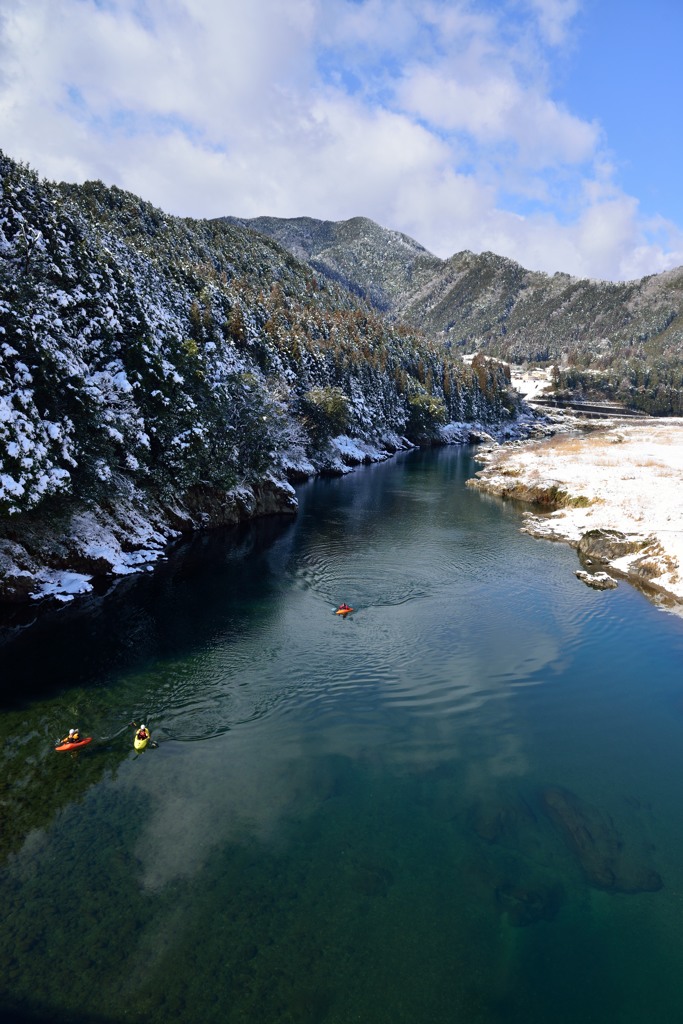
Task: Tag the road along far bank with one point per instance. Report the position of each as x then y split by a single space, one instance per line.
615 492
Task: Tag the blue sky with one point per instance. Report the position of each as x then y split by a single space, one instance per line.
637 94
547 131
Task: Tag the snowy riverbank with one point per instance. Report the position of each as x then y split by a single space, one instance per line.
62 560
623 476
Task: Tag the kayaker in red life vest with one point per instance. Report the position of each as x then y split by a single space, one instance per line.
142 733
73 737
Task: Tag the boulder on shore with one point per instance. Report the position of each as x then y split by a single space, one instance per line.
606 545
596 580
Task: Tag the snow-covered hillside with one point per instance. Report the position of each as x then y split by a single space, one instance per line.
160 374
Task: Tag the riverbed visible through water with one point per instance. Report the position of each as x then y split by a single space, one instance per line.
461 803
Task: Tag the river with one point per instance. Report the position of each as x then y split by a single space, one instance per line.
348 819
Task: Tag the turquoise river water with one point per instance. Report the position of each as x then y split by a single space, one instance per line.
348 820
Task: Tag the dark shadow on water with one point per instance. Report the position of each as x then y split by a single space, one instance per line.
207 583
17 1013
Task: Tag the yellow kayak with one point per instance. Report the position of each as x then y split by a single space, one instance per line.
139 742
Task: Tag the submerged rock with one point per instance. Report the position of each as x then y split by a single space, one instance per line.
501 820
525 906
509 863
591 836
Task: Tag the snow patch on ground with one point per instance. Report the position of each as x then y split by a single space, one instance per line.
531 383
481 433
354 452
62 586
298 466
626 475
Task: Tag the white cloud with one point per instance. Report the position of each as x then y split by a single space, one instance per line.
435 119
499 110
554 18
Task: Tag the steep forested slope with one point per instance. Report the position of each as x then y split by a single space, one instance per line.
159 373
491 304
380 265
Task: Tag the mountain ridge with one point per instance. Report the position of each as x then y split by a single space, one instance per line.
490 303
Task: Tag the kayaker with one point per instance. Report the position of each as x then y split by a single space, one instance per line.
73 737
142 733
344 607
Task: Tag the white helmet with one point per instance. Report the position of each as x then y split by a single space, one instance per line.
71 732
143 726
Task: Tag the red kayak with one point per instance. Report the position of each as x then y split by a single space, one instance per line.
76 745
